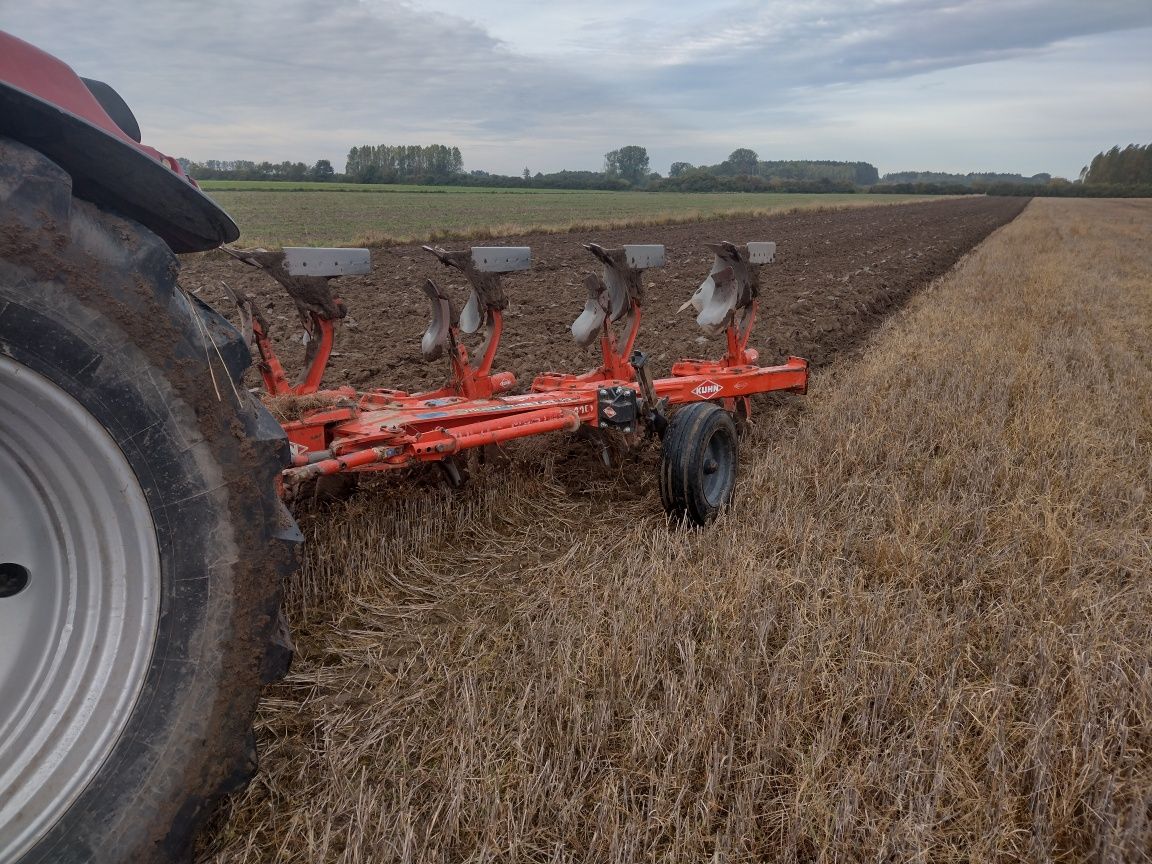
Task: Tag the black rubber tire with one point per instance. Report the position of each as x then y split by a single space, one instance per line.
698 463
89 300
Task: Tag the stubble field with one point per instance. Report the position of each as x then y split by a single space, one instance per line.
921 633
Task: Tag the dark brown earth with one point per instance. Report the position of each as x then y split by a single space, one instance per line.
838 274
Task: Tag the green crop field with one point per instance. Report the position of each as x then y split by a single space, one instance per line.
287 214
376 188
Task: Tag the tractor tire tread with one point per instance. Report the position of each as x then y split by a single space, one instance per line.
105 285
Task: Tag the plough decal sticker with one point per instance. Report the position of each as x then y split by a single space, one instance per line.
707 389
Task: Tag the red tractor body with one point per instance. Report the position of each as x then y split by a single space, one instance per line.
47 106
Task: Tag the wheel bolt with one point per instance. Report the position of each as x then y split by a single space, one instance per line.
13 579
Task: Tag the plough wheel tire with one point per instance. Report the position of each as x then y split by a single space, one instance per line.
142 545
698 463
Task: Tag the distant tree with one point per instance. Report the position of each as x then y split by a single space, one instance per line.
742 161
1130 166
322 171
527 173
866 174
679 168
628 163
385 163
294 171
369 174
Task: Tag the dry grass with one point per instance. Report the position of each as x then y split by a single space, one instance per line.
923 634
288 408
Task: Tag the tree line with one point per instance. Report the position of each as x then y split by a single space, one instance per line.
1116 172
627 167
1131 166
385 163
745 171
240 169
742 171
1058 187
943 178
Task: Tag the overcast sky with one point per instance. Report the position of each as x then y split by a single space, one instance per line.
949 85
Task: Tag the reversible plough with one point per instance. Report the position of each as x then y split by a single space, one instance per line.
694 410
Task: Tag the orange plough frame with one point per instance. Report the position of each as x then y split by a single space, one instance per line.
385 429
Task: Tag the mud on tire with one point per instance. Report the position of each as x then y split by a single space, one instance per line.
89 303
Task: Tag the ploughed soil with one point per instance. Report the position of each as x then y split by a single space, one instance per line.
837 275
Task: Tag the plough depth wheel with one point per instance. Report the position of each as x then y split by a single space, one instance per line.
698 463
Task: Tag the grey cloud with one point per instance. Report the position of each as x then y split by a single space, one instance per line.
753 47
305 79
385 69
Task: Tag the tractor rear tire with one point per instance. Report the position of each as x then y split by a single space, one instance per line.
698 462
143 547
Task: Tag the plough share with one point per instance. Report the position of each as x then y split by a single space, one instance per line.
694 410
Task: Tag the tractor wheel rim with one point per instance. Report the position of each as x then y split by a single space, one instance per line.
79 601
720 457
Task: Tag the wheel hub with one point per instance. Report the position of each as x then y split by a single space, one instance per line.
13 579
718 469
79 601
